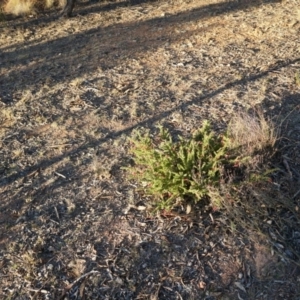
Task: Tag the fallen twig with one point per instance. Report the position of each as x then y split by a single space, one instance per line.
287 167
81 277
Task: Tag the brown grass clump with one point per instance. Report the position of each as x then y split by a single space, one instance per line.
22 7
252 133
17 7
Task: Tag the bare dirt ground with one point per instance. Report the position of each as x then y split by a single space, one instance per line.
73 91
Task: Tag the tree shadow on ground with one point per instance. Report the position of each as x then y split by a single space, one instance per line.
148 122
61 60
84 8
81 8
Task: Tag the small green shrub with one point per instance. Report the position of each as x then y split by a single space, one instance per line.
184 170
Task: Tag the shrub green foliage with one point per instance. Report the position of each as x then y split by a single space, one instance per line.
183 170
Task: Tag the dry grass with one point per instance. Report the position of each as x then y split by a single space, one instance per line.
253 133
23 7
253 139
17 7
